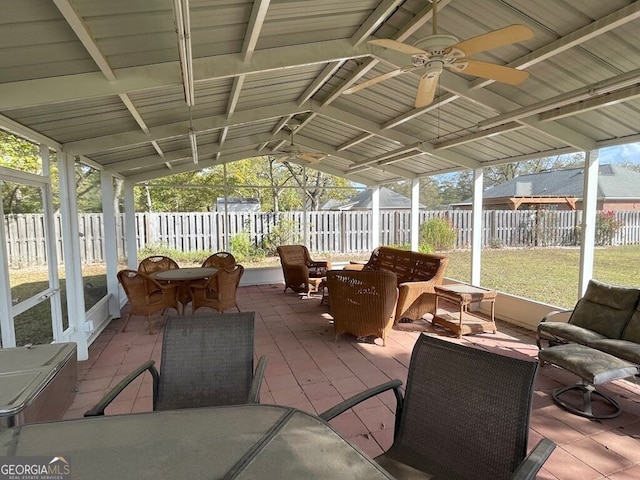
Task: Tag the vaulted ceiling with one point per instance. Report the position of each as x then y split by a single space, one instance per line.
128 85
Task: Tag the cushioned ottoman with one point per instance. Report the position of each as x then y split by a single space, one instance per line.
594 368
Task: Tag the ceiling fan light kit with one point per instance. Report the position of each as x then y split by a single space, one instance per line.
432 54
293 152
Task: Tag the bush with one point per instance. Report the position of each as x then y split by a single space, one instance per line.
607 225
178 255
283 233
437 234
243 249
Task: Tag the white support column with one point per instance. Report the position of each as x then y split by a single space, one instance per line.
7 326
131 244
72 258
476 226
305 220
415 212
227 220
110 242
52 256
375 219
589 206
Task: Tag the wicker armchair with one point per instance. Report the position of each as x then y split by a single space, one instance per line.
157 263
417 274
146 296
216 260
362 303
219 260
301 273
219 291
207 360
465 415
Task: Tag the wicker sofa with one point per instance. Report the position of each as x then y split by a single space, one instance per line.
606 318
416 273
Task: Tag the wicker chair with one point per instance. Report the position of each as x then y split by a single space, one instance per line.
301 273
362 303
219 260
157 263
219 291
216 260
207 360
146 296
465 415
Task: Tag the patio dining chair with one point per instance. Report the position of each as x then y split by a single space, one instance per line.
207 360
216 260
146 296
157 263
219 260
218 291
160 263
464 415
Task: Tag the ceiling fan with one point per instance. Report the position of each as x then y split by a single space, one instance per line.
293 152
435 52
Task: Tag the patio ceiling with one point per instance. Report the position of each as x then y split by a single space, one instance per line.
103 81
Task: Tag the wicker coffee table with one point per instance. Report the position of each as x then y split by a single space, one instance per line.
454 313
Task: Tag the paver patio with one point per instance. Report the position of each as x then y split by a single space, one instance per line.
309 371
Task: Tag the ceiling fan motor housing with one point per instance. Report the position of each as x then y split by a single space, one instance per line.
436 44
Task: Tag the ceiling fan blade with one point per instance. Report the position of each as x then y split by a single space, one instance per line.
426 90
311 157
378 79
495 39
491 71
397 46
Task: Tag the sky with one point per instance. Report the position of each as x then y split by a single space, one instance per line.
624 153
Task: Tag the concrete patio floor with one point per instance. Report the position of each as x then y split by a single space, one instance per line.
309 371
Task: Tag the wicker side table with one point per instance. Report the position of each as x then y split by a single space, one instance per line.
459 319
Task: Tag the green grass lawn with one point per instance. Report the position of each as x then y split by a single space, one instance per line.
548 275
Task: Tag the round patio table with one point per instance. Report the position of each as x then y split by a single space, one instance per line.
235 442
184 276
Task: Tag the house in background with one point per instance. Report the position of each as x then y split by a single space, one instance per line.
618 189
389 200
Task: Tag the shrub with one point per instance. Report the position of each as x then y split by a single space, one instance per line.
607 225
243 249
283 233
437 234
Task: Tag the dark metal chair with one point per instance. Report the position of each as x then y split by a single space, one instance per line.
207 360
465 415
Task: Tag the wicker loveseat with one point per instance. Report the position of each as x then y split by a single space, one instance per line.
417 273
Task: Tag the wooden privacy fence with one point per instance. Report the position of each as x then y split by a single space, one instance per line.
335 232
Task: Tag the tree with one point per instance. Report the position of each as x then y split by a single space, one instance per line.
429 196
22 155
261 177
458 187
